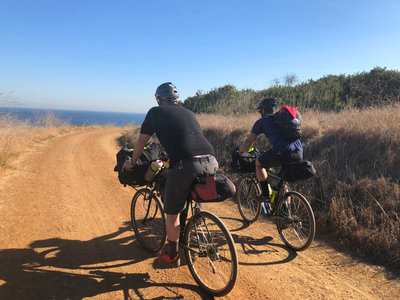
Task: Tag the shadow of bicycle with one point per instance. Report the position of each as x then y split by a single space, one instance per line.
72 269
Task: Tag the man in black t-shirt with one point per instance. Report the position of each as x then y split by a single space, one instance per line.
189 151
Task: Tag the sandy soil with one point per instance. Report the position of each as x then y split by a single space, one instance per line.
66 234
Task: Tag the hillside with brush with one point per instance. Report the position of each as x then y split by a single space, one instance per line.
330 93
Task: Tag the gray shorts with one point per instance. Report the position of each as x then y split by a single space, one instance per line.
180 180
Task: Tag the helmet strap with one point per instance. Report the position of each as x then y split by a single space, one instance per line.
162 101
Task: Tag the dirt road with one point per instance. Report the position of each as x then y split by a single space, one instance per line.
65 234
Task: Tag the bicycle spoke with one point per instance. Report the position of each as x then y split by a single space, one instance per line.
148 220
295 223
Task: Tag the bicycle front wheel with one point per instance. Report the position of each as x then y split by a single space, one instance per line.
148 220
249 206
210 253
295 221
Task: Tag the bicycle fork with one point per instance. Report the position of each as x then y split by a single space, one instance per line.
145 220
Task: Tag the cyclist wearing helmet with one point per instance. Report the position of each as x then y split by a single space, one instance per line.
190 154
282 151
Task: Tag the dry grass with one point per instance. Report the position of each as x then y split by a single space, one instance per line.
355 194
17 136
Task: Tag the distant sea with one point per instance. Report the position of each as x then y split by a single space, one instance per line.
78 117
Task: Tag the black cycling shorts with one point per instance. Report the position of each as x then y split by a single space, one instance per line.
271 159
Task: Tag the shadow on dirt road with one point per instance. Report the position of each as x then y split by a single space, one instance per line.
71 269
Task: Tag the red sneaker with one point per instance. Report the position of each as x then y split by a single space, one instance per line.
164 256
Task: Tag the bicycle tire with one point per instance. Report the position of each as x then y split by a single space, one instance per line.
295 224
248 204
148 220
211 254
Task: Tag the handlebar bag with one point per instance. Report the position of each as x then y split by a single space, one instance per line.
245 163
135 177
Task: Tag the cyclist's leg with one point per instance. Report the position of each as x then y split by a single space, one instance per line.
173 230
178 185
261 172
177 188
266 160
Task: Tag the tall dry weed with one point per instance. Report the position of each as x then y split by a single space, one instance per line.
17 136
356 193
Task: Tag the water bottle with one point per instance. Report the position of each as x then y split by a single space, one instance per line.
154 168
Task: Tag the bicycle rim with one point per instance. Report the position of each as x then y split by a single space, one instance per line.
211 254
148 220
295 222
249 206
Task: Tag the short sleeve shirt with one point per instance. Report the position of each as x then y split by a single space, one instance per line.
279 144
178 132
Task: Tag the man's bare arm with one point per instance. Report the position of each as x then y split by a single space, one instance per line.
138 149
247 144
139 146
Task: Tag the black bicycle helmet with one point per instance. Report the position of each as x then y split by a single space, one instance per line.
267 103
167 92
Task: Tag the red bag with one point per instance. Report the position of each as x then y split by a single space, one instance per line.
213 188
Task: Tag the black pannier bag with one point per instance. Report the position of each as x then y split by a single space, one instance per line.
213 188
245 163
299 170
136 176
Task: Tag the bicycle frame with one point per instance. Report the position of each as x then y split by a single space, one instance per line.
197 239
277 193
194 209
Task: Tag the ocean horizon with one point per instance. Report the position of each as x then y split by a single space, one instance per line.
77 117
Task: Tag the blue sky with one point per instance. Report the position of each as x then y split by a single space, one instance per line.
111 55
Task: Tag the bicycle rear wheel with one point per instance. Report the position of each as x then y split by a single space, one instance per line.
148 220
295 221
210 253
249 206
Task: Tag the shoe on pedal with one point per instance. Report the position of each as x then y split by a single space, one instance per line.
164 256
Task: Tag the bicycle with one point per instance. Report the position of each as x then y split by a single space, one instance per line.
292 213
209 248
